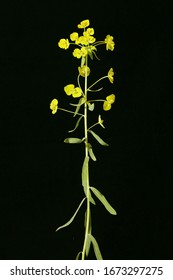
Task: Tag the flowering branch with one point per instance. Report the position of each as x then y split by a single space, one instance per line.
86 48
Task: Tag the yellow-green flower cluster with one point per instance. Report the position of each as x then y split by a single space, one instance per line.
84 71
111 75
54 106
86 42
109 42
108 102
72 90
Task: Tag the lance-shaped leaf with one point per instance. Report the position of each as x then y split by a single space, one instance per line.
88 240
82 61
72 218
90 150
85 173
81 101
98 138
95 247
85 179
73 140
77 124
104 201
78 255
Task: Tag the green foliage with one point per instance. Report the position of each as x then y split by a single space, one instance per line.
73 140
104 201
74 215
98 138
95 247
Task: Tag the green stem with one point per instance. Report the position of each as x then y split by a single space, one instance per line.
93 125
97 81
86 155
95 100
68 111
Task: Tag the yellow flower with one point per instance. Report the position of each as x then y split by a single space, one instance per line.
90 31
109 43
84 70
84 23
106 106
88 38
111 75
77 92
71 90
54 106
77 53
83 40
91 39
84 51
64 44
74 36
110 99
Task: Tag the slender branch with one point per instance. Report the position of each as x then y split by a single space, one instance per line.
93 125
68 111
97 81
94 100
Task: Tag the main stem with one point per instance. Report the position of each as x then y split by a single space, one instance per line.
86 155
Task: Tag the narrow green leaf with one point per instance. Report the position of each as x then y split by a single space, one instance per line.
85 179
88 245
90 150
85 172
104 201
81 101
72 218
78 255
95 247
90 54
98 138
82 61
77 124
73 140
88 241
96 56
90 197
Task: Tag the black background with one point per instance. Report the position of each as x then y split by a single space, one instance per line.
40 175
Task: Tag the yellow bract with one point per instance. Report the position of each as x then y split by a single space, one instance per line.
71 90
110 99
84 70
64 44
109 43
111 75
54 106
84 23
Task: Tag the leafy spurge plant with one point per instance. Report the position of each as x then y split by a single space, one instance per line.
85 49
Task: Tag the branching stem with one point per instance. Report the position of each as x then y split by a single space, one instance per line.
68 111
